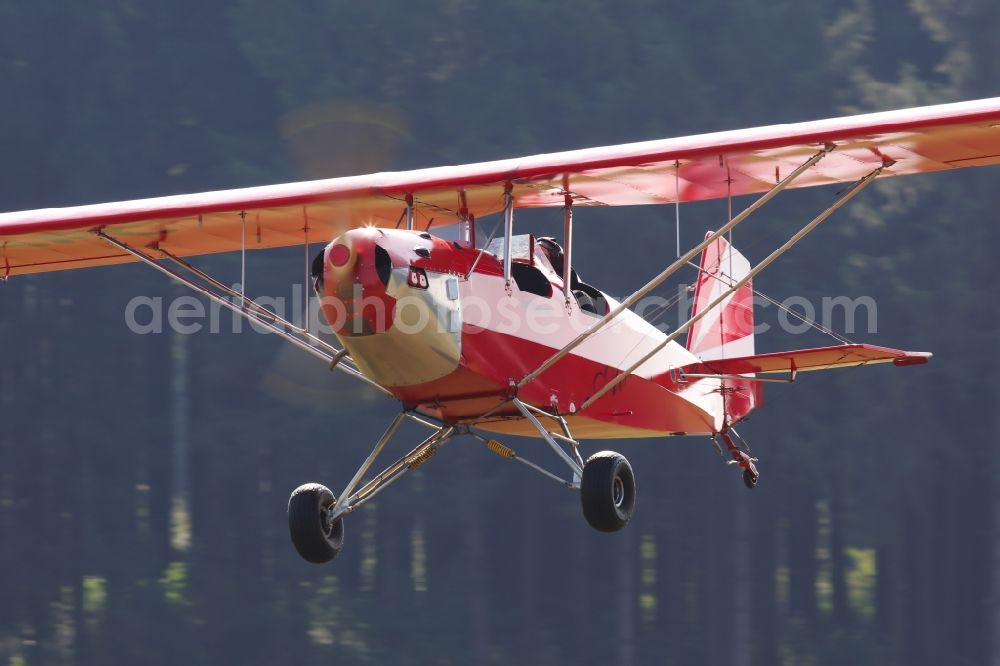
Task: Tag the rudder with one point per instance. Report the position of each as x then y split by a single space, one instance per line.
727 330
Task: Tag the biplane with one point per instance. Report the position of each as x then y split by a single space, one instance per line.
486 337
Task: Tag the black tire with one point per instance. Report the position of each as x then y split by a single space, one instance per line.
314 540
607 491
750 479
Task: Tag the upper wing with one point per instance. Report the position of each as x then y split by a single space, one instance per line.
918 140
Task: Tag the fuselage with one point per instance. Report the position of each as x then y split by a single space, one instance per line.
435 322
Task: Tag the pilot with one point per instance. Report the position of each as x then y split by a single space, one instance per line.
317 271
554 252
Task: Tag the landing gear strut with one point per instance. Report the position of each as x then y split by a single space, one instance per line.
316 517
740 455
605 481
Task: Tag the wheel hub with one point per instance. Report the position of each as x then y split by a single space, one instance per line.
618 491
324 521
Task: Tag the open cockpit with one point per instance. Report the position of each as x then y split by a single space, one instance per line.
537 267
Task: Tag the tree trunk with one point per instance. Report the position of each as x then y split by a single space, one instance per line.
742 581
838 564
763 590
180 525
994 608
626 598
802 555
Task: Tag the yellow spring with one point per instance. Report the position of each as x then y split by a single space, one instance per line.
499 449
419 459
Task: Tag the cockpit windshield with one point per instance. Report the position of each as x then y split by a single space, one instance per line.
526 248
520 247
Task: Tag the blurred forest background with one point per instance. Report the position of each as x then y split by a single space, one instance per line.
143 479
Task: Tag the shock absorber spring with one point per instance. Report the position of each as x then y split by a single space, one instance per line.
499 449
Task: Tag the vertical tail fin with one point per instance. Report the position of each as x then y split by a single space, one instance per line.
727 330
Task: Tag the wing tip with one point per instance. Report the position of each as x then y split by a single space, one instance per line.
912 358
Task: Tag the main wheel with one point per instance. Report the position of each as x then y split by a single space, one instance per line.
315 538
749 479
607 491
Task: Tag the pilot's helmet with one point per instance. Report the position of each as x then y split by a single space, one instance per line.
550 246
553 251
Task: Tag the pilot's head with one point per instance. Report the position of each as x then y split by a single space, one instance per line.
553 251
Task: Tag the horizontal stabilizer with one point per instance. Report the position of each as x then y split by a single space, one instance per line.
822 358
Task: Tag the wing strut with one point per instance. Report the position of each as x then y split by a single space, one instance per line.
851 192
250 310
567 275
409 212
243 257
677 205
674 267
508 231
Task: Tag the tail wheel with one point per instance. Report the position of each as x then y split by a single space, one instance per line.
607 491
316 538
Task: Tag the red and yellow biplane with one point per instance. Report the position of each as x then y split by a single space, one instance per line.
483 337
